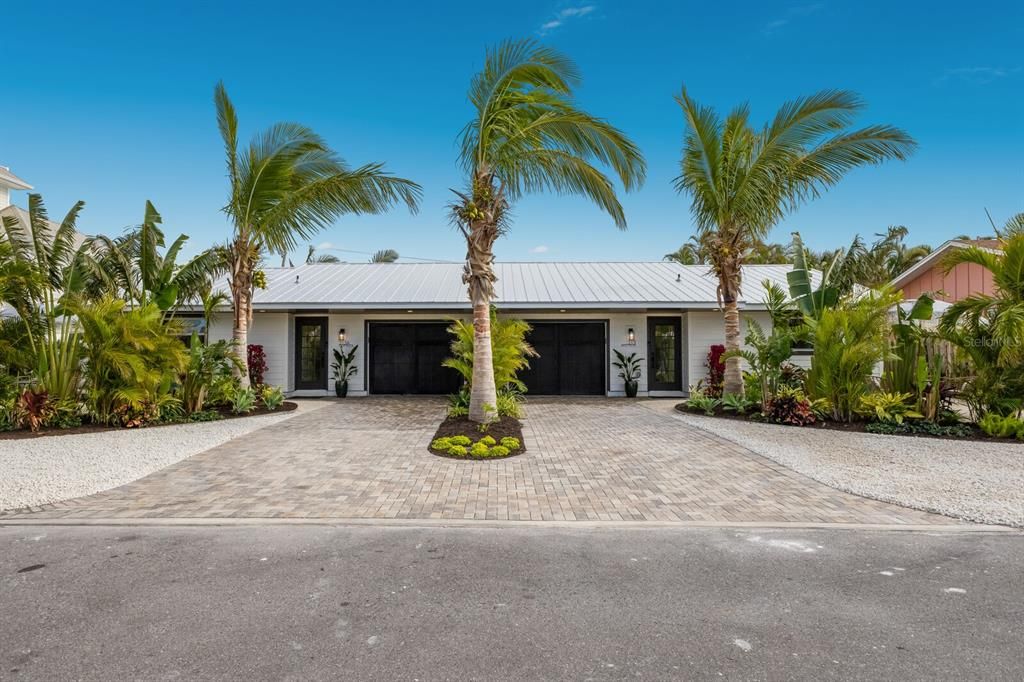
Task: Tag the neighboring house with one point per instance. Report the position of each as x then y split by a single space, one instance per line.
398 314
10 182
929 276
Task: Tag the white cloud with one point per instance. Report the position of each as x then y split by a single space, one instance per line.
791 13
564 15
539 249
323 246
978 75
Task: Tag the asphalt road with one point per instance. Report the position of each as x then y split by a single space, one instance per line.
368 603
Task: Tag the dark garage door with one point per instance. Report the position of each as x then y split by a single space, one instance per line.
406 358
572 359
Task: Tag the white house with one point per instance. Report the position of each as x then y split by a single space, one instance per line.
397 313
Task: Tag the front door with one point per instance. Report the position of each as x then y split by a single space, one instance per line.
310 353
664 354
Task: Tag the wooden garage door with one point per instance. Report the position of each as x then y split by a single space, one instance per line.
572 359
405 358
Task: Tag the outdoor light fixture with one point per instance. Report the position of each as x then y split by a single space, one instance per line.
631 336
341 335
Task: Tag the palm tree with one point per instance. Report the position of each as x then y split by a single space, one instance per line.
527 135
742 180
989 328
384 256
131 267
313 257
688 254
284 188
211 300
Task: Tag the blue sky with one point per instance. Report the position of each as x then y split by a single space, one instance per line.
111 103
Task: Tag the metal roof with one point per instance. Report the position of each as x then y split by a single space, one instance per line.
520 285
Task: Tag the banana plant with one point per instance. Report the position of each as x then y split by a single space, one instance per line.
811 301
133 267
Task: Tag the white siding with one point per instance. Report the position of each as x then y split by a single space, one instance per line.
269 330
700 330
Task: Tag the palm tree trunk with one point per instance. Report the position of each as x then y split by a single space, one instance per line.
732 383
241 292
483 397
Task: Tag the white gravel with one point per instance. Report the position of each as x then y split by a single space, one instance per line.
970 480
36 471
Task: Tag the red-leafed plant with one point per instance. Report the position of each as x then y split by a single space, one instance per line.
790 407
34 408
257 364
716 371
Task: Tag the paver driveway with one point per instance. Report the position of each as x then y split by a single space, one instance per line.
588 459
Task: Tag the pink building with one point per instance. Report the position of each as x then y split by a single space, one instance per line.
929 276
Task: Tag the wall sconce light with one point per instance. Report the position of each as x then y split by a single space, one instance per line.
341 335
631 336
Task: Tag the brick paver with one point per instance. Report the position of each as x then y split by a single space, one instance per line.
588 459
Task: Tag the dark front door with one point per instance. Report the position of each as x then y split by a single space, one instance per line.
406 358
572 359
310 353
664 354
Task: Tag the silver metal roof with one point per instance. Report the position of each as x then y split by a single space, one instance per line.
436 286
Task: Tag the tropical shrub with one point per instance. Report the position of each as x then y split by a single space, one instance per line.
461 440
736 403
65 414
131 361
131 267
478 450
699 401
488 441
849 339
511 443
33 408
207 364
272 397
47 265
510 354
500 451
920 428
510 402
1001 427
989 329
8 416
890 408
441 444
716 370
790 407
257 363
458 451
243 400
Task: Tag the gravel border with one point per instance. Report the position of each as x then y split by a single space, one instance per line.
38 471
970 480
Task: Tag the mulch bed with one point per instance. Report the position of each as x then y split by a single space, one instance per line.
461 426
225 413
851 427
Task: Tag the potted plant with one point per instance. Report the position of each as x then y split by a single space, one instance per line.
344 366
629 371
